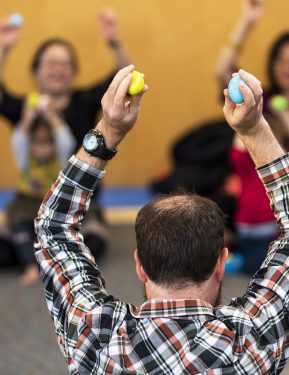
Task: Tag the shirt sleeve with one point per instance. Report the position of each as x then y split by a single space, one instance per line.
10 105
266 301
65 144
73 284
20 147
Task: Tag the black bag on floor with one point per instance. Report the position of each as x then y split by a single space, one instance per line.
200 160
8 257
201 165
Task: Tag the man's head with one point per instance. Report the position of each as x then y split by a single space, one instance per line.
180 247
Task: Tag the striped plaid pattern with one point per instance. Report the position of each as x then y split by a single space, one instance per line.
99 334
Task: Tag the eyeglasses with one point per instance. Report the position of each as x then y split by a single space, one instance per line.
56 63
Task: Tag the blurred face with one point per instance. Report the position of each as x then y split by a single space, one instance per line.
42 145
55 73
281 68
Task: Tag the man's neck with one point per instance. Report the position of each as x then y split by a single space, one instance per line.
188 292
207 291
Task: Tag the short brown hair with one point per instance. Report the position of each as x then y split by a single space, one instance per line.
51 42
179 239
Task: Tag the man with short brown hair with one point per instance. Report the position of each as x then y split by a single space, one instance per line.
180 259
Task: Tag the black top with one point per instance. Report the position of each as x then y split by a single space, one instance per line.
80 114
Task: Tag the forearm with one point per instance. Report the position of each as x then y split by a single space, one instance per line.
73 283
120 54
93 162
65 143
3 55
60 216
262 144
227 60
64 140
20 146
241 32
21 140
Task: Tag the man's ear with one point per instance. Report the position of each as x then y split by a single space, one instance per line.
139 269
220 266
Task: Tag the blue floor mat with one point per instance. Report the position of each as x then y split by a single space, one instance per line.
5 197
109 197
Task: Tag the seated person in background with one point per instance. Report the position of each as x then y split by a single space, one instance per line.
180 259
54 68
254 220
42 144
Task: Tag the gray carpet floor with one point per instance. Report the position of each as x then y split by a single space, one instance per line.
28 345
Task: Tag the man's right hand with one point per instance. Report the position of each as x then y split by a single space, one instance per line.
247 117
9 34
120 112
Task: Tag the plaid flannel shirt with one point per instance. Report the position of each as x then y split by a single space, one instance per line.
99 334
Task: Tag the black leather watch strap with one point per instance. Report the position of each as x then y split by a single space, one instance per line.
101 151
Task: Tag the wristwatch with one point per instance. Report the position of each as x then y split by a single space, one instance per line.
94 145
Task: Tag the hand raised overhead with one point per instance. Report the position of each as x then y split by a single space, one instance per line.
120 112
246 117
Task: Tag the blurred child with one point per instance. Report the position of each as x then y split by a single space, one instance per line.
42 144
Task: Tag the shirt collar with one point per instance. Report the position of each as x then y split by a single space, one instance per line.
171 309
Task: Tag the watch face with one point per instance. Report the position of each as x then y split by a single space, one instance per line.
90 142
94 144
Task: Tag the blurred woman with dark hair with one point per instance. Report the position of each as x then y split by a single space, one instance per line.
255 222
278 66
54 68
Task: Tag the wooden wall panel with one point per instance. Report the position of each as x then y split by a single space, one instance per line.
175 43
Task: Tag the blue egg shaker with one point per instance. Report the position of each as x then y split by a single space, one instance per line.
234 91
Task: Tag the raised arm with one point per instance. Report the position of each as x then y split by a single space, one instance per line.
109 28
72 281
265 306
252 11
9 36
20 138
11 106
